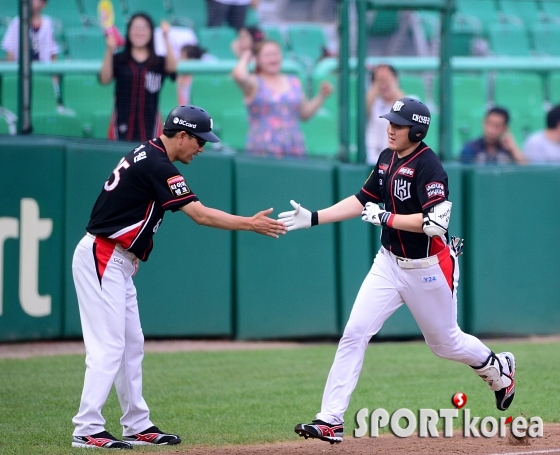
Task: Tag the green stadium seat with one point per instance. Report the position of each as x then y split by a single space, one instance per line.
168 98
274 33
464 29
385 22
546 38
68 13
100 124
56 125
154 8
235 125
432 138
217 40
523 95
85 43
485 11
217 93
551 7
413 85
306 42
195 12
85 95
321 135
43 98
527 10
554 88
10 9
509 39
522 124
469 95
430 23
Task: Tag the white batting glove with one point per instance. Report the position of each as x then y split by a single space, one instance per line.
374 214
300 218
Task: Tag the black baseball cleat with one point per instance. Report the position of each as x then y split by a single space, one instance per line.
321 430
102 440
153 436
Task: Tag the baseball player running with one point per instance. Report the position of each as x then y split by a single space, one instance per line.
416 264
125 217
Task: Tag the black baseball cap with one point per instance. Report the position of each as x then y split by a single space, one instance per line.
193 120
409 111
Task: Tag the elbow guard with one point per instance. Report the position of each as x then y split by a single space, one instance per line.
436 219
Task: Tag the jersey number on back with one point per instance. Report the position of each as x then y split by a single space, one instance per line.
123 164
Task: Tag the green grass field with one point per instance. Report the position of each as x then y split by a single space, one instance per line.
241 397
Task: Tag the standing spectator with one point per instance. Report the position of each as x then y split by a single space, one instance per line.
247 39
544 146
233 12
382 93
139 73
41 36
276 103
497 145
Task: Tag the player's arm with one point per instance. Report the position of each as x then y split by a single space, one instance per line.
301 218
259 223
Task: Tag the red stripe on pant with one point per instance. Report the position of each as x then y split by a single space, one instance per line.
102 251
447 266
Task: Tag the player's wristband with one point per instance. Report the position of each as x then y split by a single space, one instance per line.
314 218
386 219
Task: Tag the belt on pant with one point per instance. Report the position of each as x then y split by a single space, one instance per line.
424 263
118 247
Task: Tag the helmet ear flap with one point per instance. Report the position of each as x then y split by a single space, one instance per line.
417 133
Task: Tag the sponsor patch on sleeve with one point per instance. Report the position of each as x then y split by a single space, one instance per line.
178 186
435 189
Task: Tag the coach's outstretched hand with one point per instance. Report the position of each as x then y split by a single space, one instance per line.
264 225
300 218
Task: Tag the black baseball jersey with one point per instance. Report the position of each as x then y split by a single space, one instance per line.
405 186
133 200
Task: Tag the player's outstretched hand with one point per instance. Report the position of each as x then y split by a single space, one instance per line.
264 225
300 218
374 214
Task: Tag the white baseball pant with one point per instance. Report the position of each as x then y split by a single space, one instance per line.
429 293
112 336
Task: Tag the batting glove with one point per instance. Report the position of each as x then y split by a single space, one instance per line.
300 218
374 214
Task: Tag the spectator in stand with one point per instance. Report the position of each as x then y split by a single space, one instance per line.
232 12
380 97
497 145
544 146
184 81
139 73
247 39
276 103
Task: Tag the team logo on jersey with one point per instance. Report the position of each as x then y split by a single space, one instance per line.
397 106
178 186
382 169
435 189
401 189
153 82
409 172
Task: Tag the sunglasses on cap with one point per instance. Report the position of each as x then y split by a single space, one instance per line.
201 142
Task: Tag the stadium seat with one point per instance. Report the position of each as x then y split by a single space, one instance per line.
42 93
306 42
67 12
100 125
509 39
154 8
554 88
235 125
85 43
85 95
168 98
217 93
385 22
217 40
430 21
321 135
195 13
10 9
469 95
56 125
432 138
546 38
523 95
527 10
413 85
522 124
551 7
485 11
274 33
464 29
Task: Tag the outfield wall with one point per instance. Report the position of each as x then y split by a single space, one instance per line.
203 282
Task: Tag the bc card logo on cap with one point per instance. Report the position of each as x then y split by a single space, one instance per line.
179 121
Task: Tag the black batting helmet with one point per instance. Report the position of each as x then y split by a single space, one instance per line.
192 119
413 113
